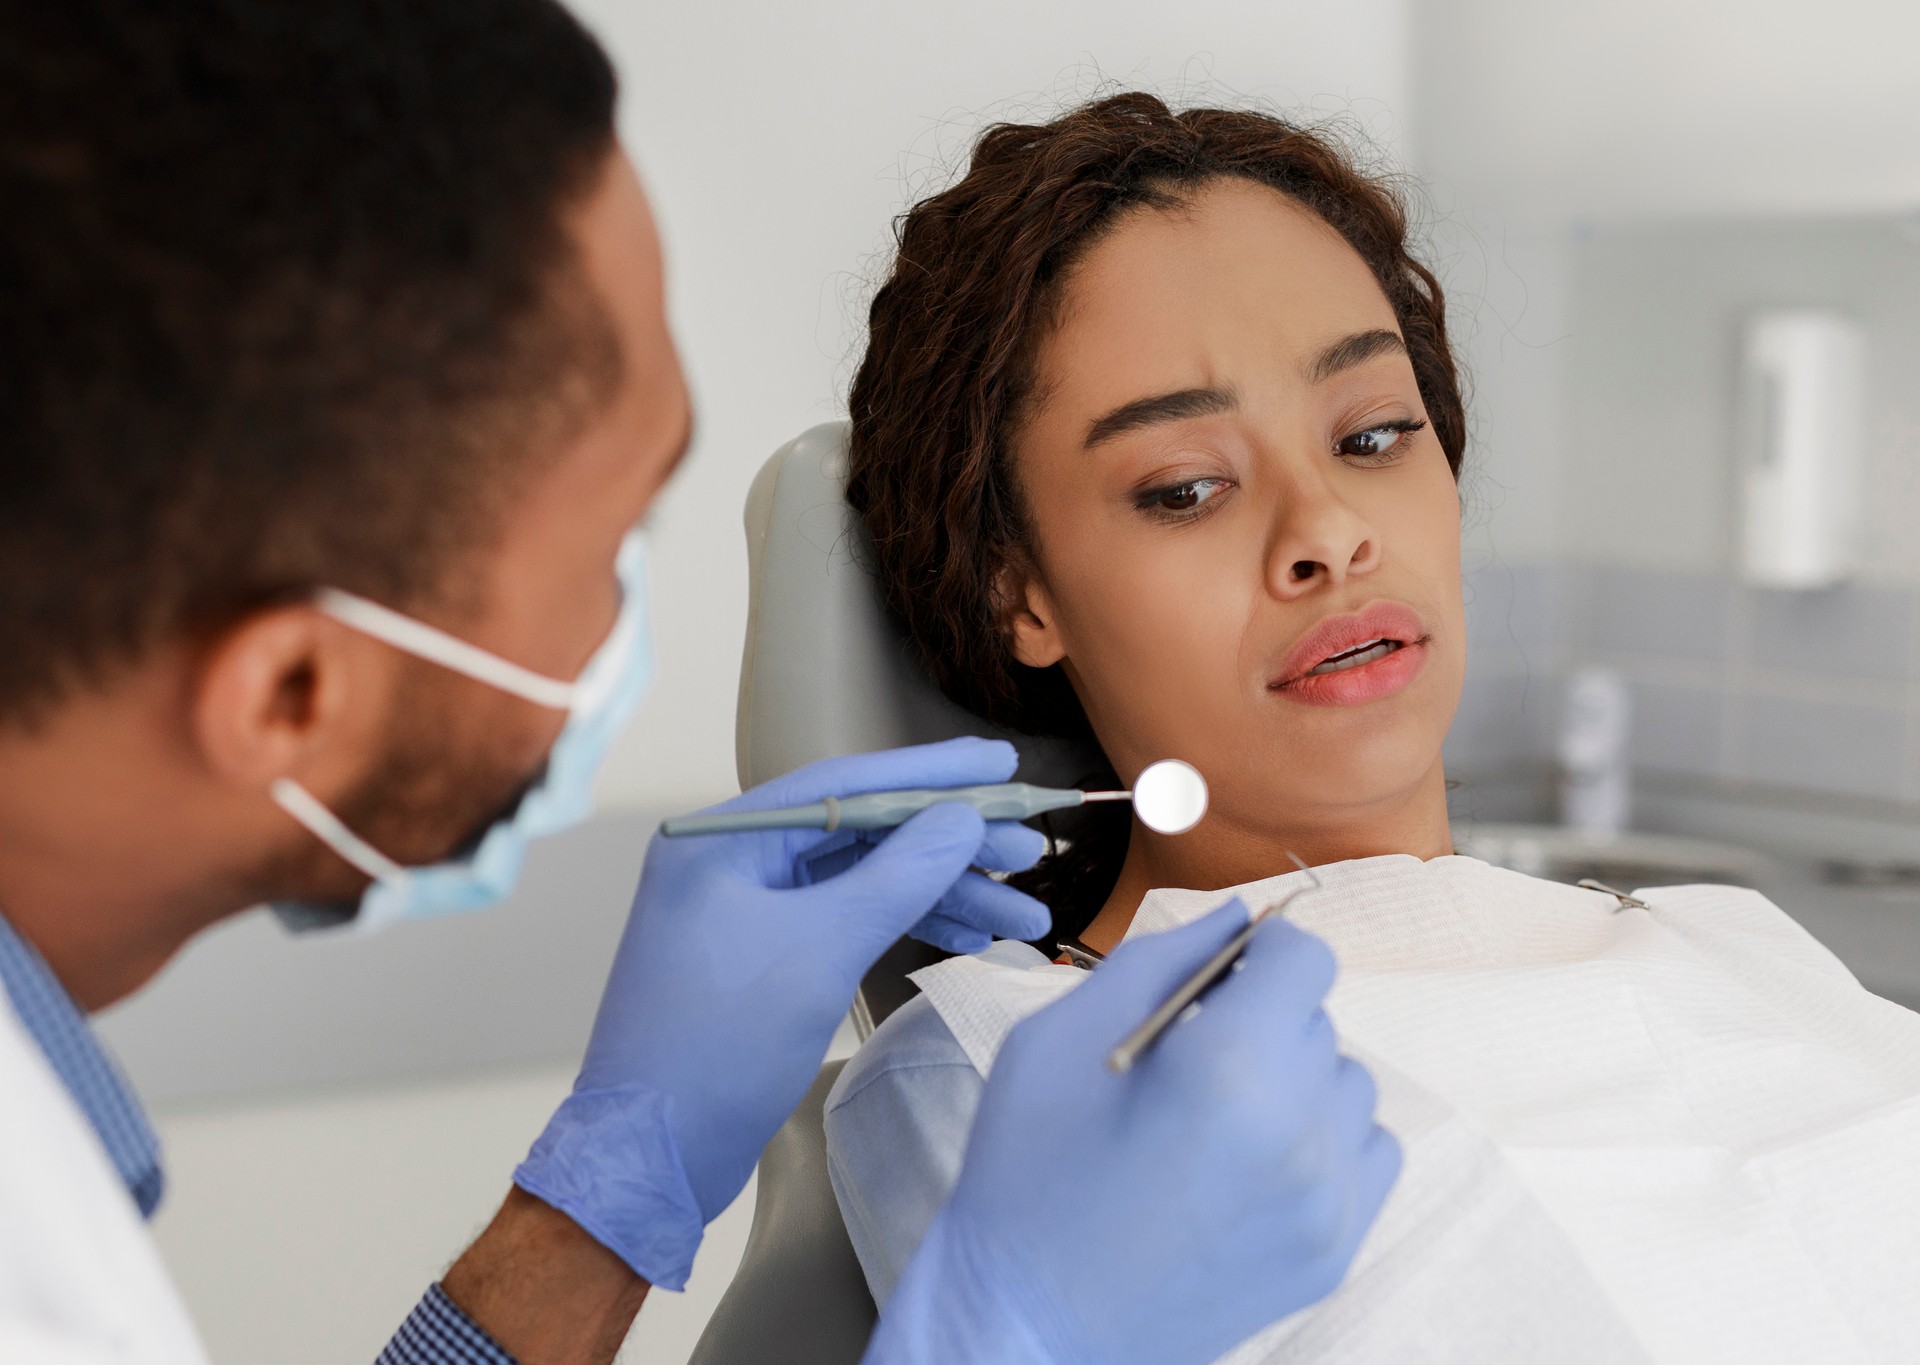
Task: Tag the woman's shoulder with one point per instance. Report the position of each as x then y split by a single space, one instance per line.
896 1126
912 1037
915 1037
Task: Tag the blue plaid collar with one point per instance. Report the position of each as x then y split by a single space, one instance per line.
83 1066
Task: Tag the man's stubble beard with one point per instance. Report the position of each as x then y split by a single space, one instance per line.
436 789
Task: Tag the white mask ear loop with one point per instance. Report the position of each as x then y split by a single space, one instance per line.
449 651
325 826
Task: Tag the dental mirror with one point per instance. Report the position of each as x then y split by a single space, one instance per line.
1170 796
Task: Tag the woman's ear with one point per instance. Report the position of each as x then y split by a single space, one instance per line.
272 697
1030 618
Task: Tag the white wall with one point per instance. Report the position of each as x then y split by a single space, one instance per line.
1506 284
302 1231
1531 121
1629 179
779 139
1661 107
1654 468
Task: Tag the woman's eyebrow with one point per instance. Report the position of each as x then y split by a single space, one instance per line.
1353 350
1160 407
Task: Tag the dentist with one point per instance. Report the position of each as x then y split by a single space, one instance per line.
334 378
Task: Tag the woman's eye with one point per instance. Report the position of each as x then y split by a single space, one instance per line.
1377 443
1180 497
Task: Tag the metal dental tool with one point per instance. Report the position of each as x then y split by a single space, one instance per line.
1169 797
1210 974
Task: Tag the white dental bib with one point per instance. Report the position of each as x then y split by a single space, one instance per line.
1679 1134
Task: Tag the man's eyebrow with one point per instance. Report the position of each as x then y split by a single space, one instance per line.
1160 407
1357 349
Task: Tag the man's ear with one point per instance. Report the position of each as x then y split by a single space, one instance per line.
1030 617
288 692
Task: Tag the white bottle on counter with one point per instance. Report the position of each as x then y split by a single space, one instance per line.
1596 741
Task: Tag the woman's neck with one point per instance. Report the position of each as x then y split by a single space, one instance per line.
1220 853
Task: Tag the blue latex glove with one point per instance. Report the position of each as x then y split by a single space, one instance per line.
1162 1216
739 960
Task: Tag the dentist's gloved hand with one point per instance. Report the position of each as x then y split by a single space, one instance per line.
1162 1216
739 960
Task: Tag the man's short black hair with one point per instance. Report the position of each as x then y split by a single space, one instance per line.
285 291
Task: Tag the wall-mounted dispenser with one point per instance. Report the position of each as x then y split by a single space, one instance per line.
1803 436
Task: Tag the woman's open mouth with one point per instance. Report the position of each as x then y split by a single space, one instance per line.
1347 660
1353 658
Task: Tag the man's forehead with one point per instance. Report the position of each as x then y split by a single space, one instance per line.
635 442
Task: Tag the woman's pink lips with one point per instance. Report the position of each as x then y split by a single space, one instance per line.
1366 682
1362 683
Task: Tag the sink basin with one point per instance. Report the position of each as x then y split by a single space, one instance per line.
1624 861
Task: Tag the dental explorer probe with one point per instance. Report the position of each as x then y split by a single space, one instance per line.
1169 797
1210 974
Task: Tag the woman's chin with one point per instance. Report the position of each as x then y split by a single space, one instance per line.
1355 779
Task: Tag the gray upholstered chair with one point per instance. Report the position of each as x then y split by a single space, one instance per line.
824 673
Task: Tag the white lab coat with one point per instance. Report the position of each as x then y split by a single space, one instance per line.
81 1282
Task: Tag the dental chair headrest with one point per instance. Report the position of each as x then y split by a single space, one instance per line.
826 672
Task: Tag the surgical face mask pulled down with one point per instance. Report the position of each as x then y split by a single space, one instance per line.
598 705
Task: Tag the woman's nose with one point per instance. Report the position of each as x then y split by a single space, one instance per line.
1318 539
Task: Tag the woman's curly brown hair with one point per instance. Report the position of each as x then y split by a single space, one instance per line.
953 338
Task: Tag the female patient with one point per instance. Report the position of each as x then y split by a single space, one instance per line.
1156 438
